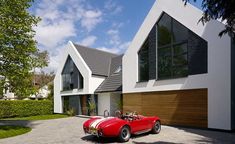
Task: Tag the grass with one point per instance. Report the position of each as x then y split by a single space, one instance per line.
39 117
10 131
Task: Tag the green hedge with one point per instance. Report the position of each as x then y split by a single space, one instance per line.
24 108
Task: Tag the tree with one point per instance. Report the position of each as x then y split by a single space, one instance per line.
39 60
17 45
51 94
219 9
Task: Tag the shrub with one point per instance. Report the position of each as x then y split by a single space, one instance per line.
24 108
71 112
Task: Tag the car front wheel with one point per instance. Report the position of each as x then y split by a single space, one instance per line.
156 127
124 134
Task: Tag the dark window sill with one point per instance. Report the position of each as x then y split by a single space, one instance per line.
142 81
71 90
160 79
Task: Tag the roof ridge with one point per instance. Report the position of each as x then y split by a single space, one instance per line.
96 49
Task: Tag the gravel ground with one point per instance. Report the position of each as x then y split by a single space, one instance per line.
69 131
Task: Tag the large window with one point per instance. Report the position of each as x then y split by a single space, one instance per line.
71 77
172 41
143 60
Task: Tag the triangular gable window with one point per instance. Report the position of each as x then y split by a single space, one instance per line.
180 52
71 77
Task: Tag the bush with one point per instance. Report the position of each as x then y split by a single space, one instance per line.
71 112
24 108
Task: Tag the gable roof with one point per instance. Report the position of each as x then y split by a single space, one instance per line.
98 61
114 81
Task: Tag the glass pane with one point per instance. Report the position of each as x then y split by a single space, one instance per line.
180 49
180 60
180 32
164 30
166 51
180 71
66 104
71 76
164 67
144 63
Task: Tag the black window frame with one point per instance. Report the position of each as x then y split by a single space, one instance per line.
144 46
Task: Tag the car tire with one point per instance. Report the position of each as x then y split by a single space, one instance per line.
124 134
156 127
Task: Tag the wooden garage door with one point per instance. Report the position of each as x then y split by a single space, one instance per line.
183 108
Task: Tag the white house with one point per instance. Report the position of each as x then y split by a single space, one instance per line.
86 76
181 70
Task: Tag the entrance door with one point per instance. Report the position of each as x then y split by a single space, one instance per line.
84 107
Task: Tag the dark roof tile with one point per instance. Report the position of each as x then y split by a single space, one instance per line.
98 61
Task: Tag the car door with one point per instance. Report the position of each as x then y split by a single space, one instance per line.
139 124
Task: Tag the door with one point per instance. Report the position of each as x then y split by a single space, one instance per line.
139 125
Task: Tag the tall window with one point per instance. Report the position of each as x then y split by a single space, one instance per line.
71 77
143 60
172 41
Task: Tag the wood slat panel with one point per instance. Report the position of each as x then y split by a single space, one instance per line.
183 107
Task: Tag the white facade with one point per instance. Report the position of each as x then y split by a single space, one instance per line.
217 80
90 82
108 101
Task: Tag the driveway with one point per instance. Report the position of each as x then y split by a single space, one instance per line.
69 131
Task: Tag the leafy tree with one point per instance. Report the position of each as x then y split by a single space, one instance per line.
51 94
40 60
219 9
17 46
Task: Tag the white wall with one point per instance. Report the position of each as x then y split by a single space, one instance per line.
103 103
95 81
90 82
218 78
108 101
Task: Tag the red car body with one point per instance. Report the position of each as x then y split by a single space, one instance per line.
112 126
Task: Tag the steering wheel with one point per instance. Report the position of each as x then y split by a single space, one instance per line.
106 111
118 113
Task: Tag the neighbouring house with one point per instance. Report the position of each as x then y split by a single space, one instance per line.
85 76
42 92
181 70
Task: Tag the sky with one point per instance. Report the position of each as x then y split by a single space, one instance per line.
108 25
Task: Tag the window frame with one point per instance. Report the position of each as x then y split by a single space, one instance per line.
139 71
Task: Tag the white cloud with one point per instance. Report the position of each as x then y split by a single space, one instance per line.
111 50
114 37
124 46
117 50
91 18
88 41
52 34
113 7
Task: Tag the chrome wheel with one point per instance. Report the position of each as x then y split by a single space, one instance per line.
157 127
125 134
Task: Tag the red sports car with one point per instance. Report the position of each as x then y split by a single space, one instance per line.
121 126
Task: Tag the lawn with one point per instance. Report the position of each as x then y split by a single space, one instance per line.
39 117
10 131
